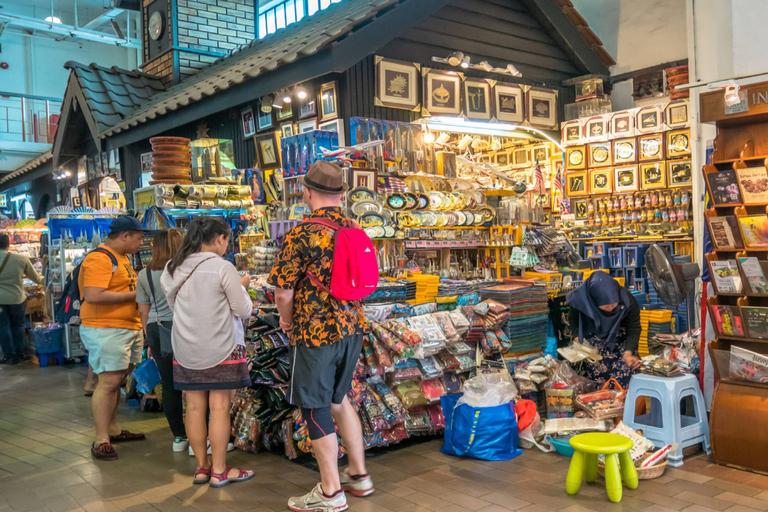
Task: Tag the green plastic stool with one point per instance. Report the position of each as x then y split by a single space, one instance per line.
584 463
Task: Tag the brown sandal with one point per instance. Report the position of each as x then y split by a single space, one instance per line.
125 436
224 480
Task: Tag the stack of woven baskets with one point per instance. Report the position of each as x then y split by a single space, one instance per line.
171 161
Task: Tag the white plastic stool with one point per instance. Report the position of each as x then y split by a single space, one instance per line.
665 424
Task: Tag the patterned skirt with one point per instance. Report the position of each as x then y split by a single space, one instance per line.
231 373
612 365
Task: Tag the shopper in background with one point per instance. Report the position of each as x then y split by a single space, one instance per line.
326 337
605 315
111 327
208 299
13 268
155 312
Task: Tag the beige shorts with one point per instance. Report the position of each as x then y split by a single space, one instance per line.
111 350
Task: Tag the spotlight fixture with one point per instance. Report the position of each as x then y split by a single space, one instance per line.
301 92
484 66
496 144
465 62
277 102
465 142
732 95
53 19
429 137
443 138
266 104
286 97
455 58
512 70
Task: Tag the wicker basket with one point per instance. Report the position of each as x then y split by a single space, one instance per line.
642 473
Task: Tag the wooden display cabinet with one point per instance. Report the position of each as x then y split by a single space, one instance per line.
738 406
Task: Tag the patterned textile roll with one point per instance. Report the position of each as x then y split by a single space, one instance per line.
229 374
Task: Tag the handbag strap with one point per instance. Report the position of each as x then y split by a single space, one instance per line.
152 291
193 271
5 261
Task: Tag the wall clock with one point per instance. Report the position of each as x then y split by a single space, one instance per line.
156 23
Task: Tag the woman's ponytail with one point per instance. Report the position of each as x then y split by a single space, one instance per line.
202 230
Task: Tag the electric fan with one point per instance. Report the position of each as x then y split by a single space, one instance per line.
674 282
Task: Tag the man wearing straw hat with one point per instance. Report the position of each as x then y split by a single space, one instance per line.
326 342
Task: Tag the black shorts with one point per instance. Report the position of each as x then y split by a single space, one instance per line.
321 376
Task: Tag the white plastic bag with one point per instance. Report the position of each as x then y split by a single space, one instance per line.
489 390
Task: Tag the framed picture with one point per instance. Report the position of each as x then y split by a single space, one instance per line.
575 158
541 107
337 125
477 99
624 151
264 119
625 179
442 93
571 132
596 129
286 112
397 84
247 122
521 157
269 154
653 175
329 103
599 154
676 114
648 119
557 174
308 106
308 125
540 154
576 184
601 181
679 143
508 102
359 177
650 147
286 129
679 173
502 158
579 209
623 124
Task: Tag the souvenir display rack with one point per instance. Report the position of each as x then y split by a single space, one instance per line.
737 182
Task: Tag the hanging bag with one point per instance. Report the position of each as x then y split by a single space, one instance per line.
166 347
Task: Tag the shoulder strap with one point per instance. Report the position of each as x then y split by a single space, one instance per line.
152 291
5 261
108 253
325 222
193 271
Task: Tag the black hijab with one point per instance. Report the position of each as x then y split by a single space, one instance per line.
601 289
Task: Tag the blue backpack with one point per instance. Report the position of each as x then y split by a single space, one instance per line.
69 303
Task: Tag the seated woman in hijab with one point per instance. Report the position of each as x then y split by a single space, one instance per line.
607 316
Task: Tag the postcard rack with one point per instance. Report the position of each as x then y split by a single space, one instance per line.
738 226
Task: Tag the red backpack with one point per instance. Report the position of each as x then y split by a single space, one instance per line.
355 271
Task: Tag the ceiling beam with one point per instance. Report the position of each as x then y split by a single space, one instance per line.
60 30
103 18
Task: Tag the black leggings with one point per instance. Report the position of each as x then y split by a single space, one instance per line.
172 403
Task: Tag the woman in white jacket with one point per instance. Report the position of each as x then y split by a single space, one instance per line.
208 299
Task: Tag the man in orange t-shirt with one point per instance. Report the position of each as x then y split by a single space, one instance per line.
111 327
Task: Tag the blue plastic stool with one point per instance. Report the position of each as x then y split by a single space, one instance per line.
45 359
665 424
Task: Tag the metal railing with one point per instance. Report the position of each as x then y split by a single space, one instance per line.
273 16
26 118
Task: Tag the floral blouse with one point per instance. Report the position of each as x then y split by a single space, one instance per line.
318 318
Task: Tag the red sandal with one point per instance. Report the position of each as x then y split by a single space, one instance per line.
223 480
206 476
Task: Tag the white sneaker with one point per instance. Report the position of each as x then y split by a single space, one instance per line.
357 488
230 447
315 501
180 444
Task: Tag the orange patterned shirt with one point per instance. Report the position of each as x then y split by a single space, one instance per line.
318 318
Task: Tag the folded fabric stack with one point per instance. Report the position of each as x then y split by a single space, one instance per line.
528 312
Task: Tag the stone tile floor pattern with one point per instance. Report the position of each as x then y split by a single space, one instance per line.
45 465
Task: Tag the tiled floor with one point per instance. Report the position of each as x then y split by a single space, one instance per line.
45 464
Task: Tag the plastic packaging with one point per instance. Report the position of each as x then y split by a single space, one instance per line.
489 390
